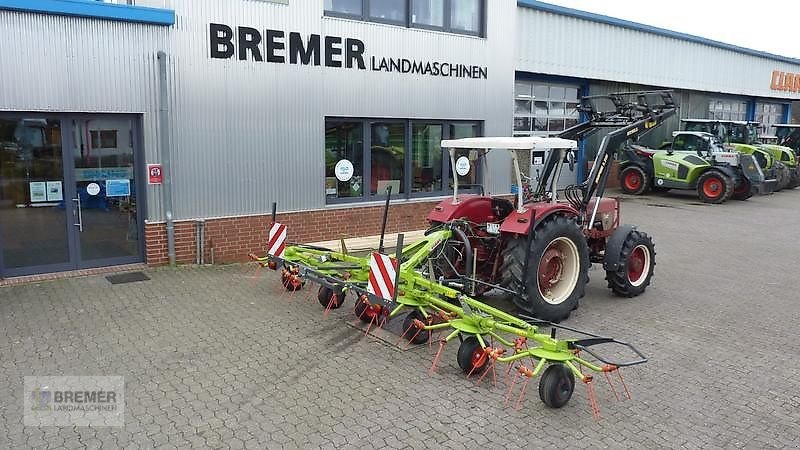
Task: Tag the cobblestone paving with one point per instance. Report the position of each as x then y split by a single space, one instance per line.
215 358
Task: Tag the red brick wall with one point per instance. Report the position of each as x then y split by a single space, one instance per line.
232 239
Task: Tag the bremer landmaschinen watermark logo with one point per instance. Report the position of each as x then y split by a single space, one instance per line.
75 401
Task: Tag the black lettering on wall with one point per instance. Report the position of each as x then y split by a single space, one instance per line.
332 51
221 41
249 39
274 44
355 51
304 53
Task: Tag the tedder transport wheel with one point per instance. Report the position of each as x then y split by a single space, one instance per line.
556 386
634 180
292 284
743 190
364 311
471 357
325 297
635 270
419 336
714 187
558 269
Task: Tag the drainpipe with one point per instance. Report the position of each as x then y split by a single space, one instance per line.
163 121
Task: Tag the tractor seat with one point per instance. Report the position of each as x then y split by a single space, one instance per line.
501 207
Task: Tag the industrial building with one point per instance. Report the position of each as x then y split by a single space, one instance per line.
119 120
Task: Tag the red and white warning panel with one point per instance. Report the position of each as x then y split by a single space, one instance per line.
382 274
277 240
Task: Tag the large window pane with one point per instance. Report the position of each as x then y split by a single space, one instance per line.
427 12
466 15
426 158
392 10
388 157
522 106
32 218
344 141
344 6
466 130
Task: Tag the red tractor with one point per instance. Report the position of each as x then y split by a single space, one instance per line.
540 247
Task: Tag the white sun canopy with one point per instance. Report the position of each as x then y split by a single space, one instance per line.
511 143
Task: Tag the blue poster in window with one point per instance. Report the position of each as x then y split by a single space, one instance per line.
118 188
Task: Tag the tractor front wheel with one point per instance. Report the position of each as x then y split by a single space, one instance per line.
784 176
714 187
557 269
556 386
634 180
325 297
471 356
635 269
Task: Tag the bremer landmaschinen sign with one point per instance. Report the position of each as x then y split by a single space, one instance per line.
275 46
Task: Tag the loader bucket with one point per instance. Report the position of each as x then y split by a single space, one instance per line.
761 185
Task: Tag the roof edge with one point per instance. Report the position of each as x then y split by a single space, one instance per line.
594 17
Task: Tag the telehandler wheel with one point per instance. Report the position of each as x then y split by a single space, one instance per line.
743 190
558 269
412 332
634 180
325 295
471 357
556 386
637 260
714 187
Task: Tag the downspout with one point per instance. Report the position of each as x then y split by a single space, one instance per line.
163 121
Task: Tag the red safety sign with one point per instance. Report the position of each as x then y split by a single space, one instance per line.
277 240
382 274
155 174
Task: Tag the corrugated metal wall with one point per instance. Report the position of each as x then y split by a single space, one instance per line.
243 133
69 64
560 45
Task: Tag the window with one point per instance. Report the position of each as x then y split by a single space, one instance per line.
465 15
427 12
452 16
388 10
348 7
768 114
372 154
542 109
727 110
387 152
344 141
426 157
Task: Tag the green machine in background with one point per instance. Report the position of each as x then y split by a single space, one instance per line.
777 162
694 161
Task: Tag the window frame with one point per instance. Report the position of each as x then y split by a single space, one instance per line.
366 127
407 23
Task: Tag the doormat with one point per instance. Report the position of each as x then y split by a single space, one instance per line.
127 277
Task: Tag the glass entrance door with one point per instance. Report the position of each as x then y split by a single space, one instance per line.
68 197
34 228
106 225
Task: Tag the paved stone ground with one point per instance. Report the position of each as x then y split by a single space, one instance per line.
213 358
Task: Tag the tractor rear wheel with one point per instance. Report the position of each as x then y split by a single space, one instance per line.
325 297
635 269
743 190
471 356
634 180
714 187
557 270
556 386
